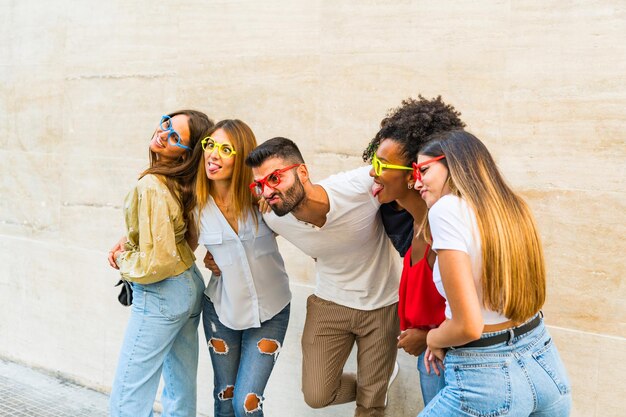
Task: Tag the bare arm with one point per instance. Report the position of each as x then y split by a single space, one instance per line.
466 323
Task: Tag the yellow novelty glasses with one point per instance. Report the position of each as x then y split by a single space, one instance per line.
378 166
225 150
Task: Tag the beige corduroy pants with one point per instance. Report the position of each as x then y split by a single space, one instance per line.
329 333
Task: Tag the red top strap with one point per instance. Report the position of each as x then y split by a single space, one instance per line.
420 305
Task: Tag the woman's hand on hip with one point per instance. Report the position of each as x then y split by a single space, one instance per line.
433 360
115 251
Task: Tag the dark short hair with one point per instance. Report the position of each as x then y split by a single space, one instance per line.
412 123
278 147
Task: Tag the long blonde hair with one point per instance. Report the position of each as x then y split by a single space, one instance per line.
513 273
243 141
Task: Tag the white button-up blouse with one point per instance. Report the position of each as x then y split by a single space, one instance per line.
254 285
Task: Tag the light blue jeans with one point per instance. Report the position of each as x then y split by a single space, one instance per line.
161 338
430 384
524 378
240 368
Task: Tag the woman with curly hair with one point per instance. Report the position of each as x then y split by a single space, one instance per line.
499 358
392 152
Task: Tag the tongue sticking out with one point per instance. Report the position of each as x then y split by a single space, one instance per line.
213 168
377 188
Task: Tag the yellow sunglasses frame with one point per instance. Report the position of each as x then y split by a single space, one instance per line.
218 146
376 161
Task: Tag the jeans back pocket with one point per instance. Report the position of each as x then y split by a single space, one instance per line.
485 388
175 296
548 358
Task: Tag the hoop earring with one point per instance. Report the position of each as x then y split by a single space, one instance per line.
410 186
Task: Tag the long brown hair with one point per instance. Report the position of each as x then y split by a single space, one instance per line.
243 141
513 273
179 176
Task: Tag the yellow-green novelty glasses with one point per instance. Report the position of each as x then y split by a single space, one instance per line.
378 166
224 149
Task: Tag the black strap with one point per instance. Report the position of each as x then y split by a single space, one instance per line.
505 337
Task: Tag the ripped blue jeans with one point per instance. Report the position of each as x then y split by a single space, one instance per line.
242 361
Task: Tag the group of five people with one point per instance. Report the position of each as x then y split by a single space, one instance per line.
466 298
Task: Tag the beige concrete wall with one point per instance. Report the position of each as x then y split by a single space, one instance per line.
82 84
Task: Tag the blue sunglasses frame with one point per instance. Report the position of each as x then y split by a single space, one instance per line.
167 119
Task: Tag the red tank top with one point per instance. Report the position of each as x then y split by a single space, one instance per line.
420 306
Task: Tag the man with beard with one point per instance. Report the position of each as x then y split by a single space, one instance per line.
337 223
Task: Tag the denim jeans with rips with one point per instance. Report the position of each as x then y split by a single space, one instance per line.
242 361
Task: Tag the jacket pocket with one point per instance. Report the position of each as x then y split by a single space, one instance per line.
264 242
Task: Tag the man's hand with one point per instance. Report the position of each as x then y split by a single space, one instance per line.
209 262
413 341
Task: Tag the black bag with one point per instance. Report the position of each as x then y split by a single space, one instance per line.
126 293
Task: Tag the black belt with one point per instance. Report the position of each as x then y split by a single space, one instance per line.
504 337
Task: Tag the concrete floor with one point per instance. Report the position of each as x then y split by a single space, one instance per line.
26 392
29 392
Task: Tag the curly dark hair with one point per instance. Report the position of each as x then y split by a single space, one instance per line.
412 123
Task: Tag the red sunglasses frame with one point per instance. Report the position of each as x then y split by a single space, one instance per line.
417 175
263 181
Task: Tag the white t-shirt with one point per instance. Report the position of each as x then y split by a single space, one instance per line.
453 226
356 265
254 286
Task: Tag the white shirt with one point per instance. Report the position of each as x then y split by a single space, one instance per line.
254 286
356 265
453 226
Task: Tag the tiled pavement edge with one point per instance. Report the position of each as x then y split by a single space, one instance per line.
26 392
